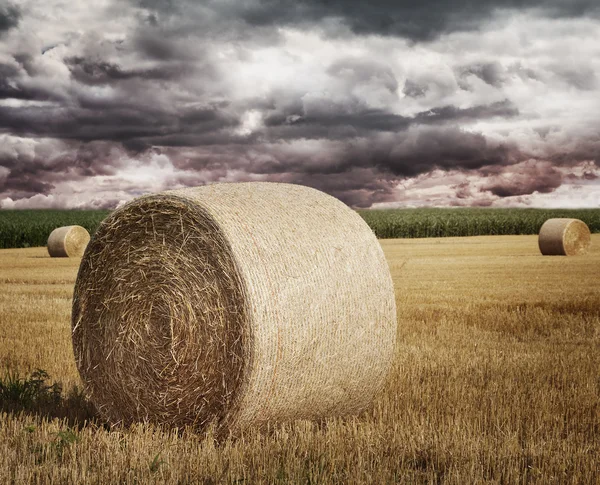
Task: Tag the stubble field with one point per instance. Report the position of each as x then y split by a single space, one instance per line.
496 380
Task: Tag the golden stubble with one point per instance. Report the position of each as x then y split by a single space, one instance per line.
496 380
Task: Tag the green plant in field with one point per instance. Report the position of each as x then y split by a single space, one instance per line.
48 450
63 440
156 462
35 394
28 392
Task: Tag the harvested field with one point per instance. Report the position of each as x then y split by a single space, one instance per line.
496 380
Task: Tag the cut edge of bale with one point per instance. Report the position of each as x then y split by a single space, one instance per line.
564 237
68 242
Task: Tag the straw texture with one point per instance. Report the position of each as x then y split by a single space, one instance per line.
233 304
564 237
68 242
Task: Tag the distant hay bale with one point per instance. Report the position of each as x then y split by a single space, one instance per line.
68 242
564 237
233 304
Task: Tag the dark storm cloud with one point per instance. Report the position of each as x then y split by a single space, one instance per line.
26 176
137 108
522 187
463 190
341 122
18 185
168 87
169 44
364 71
581 148
13 85
364 172
36 168
9 17
393 156
582 77
358 187
490 73
359 171
414 89
504 109
8 89
354 185
528 178
350 120
587 175
419 21
94 120
444 148
102 72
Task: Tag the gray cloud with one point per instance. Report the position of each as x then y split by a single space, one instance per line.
580 77
103 72
418 21
490 73
359 171
9 17
215 91
530 177
414 89
463 190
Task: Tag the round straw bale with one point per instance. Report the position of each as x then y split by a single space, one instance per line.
564 237
68 242
233 304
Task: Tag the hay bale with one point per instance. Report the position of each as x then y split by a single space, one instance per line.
233 304
68 242
564 237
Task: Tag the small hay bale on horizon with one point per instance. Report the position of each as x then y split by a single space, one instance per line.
564 237
234 304
68 242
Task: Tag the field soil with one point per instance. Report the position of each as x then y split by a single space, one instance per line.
496 380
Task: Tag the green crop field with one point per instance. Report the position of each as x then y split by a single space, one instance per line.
409 223
29 228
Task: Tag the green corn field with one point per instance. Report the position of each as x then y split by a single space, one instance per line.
410 223
29 228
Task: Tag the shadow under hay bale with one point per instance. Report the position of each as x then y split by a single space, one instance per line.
235 305
564 237
68 242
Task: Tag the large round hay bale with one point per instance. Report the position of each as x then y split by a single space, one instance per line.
233 304
68 242
564 237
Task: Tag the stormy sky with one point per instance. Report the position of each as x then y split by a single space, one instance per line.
386 103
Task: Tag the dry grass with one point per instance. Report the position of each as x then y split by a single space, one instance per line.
497 380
